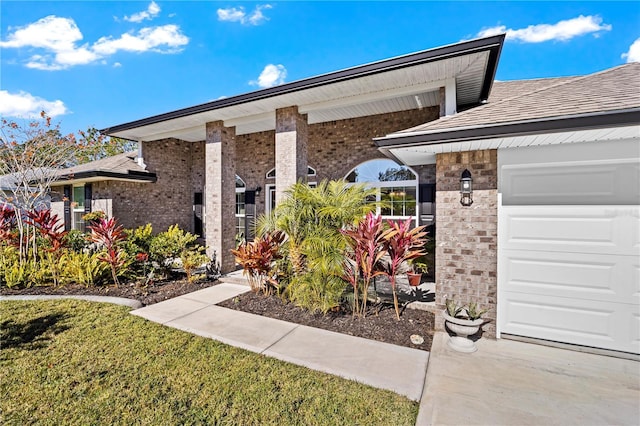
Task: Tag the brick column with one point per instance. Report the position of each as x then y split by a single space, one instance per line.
220 193
467 237
291 149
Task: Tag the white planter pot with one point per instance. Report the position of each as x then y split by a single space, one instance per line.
462 328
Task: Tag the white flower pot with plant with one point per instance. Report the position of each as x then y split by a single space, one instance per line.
463 322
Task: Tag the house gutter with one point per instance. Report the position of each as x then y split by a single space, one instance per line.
493 44
624 117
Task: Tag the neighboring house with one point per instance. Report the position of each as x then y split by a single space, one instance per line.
13 185
545 191
110 185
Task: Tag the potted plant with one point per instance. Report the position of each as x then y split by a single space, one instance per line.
415 274
463 322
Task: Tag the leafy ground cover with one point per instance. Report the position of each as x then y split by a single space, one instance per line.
75 362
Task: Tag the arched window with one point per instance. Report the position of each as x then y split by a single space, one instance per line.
241 211
271 174
397 186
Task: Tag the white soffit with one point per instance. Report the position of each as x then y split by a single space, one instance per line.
426 154
389 91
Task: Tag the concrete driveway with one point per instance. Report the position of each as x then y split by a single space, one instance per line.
514 383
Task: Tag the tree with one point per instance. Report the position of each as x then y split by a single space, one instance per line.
95 146
31 156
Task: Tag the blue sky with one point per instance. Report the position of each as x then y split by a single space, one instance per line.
105 63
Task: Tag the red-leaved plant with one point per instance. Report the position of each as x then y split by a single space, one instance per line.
49 227
256 258
7 223
109 234
402 243
367 248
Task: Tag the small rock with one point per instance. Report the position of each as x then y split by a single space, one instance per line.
416 339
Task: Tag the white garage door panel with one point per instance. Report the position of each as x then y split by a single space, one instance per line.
593 182
585 276
584 322
583 229
569 243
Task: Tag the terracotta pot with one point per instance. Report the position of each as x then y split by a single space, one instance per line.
414 279
462 328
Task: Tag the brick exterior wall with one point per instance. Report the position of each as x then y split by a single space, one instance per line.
333 149
163 203
467 237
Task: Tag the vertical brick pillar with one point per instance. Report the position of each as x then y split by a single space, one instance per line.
220 193
467 237
291 149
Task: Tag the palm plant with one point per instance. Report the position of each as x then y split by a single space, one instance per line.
312 218
402 243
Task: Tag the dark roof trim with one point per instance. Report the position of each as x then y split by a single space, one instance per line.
132 176
493 44
530 127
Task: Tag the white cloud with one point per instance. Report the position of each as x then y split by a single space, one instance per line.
164 39
57 39
561 30
52 33
152 11
271 75
117 65
232 14
25 105
633 54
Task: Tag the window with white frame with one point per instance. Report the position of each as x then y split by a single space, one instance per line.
77 208
396 186
241 208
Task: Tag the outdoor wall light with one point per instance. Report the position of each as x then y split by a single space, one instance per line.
466 188
258 191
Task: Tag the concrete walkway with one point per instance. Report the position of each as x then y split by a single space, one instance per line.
396 368
514 383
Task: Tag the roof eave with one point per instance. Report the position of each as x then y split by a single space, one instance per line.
493 44
95 175
528 127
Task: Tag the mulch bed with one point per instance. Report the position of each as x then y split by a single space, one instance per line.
157 292
380 323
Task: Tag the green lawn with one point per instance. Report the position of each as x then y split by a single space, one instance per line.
76 362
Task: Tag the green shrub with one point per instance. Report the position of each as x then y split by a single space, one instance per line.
76 240
192 258
170 245
82 268
139 240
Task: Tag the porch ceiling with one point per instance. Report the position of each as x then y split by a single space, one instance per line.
408 82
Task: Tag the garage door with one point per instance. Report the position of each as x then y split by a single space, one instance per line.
569 243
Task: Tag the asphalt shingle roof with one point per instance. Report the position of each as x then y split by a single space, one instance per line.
119 163
609 90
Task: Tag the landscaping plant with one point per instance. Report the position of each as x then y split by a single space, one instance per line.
192 258
312 218
402 243
257 259
366 249
110 235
